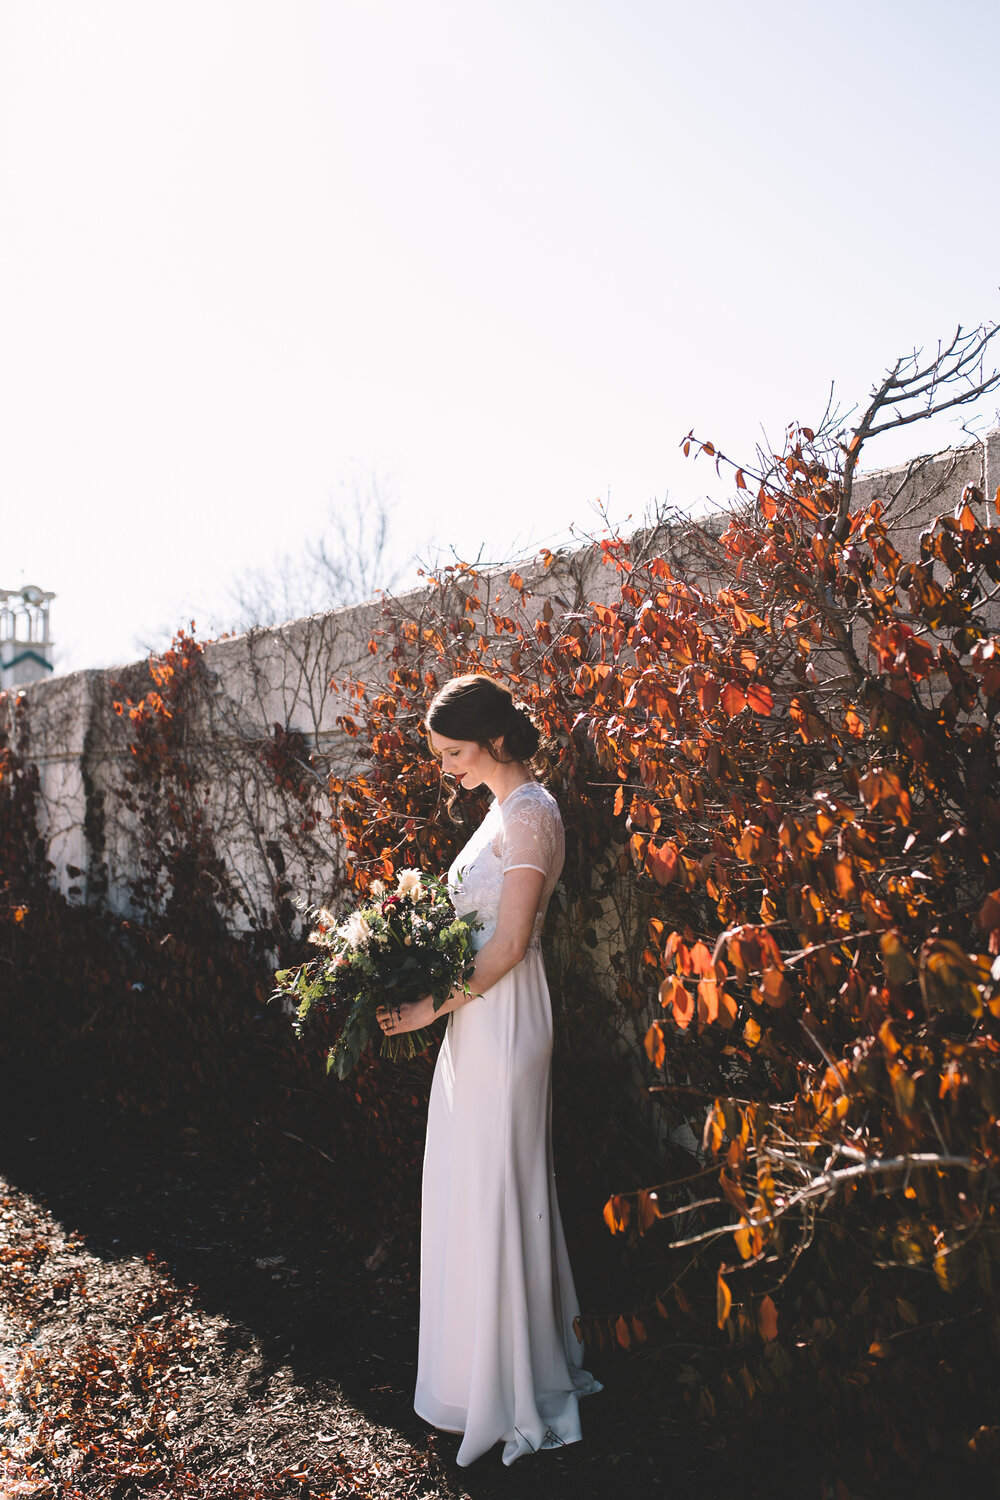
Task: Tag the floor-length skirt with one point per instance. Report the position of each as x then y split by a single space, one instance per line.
498 1357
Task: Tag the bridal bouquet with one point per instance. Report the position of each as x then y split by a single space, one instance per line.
400 945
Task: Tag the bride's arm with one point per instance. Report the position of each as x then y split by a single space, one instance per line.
519 897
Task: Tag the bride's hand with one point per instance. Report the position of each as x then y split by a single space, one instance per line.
409 1016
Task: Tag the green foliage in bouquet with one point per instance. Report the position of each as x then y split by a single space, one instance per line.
399 946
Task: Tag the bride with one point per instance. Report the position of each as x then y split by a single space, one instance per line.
498 1358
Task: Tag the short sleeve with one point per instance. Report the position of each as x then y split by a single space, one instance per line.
530 838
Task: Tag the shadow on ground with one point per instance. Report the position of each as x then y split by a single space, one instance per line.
337 1313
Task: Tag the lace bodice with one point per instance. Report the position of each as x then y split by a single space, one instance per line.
523 831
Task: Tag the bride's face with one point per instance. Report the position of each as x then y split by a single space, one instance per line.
465 761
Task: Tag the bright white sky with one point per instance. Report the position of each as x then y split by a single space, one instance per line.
500 253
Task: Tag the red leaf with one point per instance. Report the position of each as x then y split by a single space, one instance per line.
760 698
708 695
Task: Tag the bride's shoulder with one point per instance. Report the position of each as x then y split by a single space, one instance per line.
533 794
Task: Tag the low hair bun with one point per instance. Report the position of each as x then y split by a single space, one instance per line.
522 738
477 707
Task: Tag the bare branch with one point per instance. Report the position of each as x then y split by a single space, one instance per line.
961 363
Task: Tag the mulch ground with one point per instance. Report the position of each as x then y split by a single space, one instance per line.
164 1332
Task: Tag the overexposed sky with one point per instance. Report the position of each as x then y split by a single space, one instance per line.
501 254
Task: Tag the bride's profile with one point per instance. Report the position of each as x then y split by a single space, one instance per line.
498 1357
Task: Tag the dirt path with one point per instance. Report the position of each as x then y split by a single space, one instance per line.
160 1336
115 1381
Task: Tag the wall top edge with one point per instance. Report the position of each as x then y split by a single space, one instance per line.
940 454
88 675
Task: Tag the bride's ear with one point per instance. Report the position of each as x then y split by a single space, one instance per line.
496 746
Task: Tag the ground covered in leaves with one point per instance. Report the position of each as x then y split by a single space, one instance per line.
168 1328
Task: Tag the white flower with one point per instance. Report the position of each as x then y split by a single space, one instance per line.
355 930
378 889
322 933
408 884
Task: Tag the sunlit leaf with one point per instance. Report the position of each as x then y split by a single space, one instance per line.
655 1045
723 1300
617 1213
760 698
733 699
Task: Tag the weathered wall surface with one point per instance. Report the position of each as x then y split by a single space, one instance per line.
290 675
285 676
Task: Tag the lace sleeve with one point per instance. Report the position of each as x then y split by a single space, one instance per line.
530 838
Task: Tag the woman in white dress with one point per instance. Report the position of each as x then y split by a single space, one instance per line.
498 1358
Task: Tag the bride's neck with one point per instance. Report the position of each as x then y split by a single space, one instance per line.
507 776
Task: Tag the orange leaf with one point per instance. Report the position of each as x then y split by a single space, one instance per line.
733 699
777 991
767 1319
617 1213
760 698
648 1210
723 1300
741 483
708 695
656 1049
683 1007
708 1000
661 861
516 581
843 872
669 988
619 802
701 961
622 1333
744 1243
728 1009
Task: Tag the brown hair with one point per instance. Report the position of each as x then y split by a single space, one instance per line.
477 707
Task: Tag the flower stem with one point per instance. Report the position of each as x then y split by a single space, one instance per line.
408 1045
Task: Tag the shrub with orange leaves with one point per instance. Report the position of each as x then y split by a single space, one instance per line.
807 763
794 769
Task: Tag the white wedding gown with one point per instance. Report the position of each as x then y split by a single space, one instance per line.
498 1360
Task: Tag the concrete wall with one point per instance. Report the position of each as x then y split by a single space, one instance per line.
290 675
